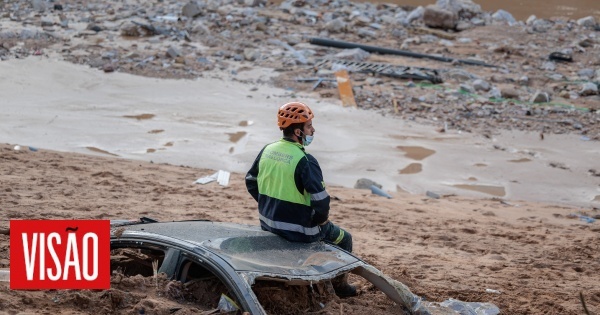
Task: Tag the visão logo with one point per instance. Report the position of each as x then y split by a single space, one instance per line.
59 254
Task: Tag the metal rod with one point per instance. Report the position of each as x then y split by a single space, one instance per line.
388 51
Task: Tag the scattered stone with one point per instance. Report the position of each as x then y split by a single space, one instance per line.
586 73
433 195
504 16
481 85
355 54
589 89
588 21
540 97
414 15
365 183
524 80
38 5
251 54
541 26
436 17
548 66
336 26
108 68
58 7
509 93
191 10
173 52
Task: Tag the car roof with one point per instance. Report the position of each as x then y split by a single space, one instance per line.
250 250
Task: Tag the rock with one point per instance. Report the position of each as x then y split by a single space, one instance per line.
173 52
47 21
58 7
548 66
199 28
432 194
481 85
94 27
467 88
588 89
463 26
436 17
336 26
531 19
355 54
588 21
415 14
540 97
251 54
541 26
461 75
365 183
495 94
504 16
365 32
524 80
585 43
509 93
109 67
465 9
586 73
191 10
38 5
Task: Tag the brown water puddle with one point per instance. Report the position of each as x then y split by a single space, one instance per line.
168 144
156 131
94 149
490 190
480 165
472 179
412 168
150 150
416 153
235 137
520 160
522 9
141 116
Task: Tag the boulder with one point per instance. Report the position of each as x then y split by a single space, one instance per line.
436 17
588 21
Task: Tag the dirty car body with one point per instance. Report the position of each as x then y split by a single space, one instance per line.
237 254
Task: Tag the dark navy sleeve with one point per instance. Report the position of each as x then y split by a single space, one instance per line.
251 182
311 178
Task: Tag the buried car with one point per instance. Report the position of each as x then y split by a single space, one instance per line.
241 255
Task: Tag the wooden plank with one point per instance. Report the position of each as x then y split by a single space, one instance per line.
345 88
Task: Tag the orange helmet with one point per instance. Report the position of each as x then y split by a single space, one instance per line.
293 113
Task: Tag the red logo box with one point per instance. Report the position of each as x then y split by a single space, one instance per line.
59 254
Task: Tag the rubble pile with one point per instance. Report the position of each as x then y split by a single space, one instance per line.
543 74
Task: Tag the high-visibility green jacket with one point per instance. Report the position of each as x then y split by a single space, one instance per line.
288 184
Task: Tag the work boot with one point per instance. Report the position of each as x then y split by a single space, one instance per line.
342 288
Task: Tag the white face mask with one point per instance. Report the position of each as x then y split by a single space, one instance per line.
306 140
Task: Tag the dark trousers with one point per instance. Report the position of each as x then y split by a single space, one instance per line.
333 234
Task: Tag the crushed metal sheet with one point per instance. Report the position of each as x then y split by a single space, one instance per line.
395 71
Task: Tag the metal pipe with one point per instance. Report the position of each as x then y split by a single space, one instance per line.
389 51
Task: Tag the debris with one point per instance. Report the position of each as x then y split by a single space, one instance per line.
433 195
437 17
345 88
376 190
388 51
222 177
492 291
299 57
395 71
558 56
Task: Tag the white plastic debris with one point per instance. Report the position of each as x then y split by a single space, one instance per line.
222 177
